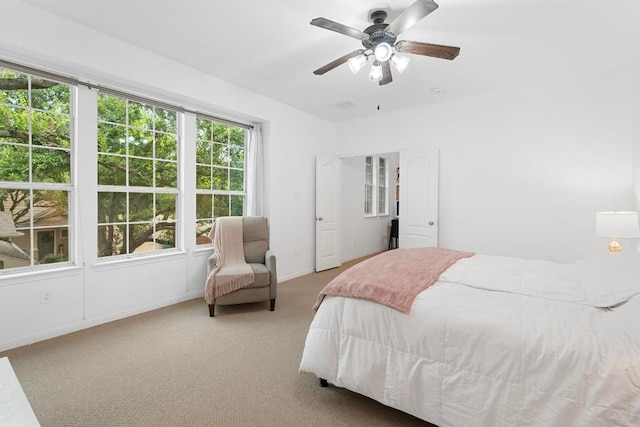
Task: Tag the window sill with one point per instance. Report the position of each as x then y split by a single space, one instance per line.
24 276
203 250
131 261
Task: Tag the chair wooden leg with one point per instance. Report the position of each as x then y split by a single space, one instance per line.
211 309
273 304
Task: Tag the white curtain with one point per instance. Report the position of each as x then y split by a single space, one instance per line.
255 173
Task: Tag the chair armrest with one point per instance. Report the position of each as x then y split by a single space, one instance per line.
211 262
270 262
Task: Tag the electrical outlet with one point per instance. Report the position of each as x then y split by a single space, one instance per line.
46 297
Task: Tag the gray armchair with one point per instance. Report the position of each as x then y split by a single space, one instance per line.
255 236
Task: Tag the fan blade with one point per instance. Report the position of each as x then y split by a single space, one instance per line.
428 49
339 28
386 74
333 64
411 15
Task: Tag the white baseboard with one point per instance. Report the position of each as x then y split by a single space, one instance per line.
282 279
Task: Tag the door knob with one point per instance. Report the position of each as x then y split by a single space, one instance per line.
319 218
431 223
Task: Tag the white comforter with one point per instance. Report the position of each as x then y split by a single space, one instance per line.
501 352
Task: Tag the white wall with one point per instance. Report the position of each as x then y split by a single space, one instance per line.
94 293
522 171
635 159
363 236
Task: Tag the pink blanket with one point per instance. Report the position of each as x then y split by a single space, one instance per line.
393 278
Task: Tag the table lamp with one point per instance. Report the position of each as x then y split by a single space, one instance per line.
617 225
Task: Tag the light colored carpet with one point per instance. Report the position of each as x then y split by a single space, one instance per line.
177 367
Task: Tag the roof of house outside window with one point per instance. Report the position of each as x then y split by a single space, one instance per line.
10 250
7 227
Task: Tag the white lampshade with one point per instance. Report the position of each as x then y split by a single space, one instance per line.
617 224
400 62
383 52
376 72
356 63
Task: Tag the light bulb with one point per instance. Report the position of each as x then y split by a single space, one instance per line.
376 72
400 62
383 52
356 63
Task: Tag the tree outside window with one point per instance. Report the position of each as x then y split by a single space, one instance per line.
220 171
137 177
35 169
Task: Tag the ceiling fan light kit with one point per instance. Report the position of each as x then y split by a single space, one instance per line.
400 62
356 63
379 41
383 52
375 75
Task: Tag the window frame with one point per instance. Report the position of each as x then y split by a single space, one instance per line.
64 253
369 187
204 224
154 190
376 182
383 186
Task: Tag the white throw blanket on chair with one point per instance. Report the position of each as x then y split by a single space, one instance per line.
231 272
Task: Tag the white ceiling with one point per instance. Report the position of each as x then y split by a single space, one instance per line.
269 46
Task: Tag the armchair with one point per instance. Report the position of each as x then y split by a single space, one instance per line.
255 236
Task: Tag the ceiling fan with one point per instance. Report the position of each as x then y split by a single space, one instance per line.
380 42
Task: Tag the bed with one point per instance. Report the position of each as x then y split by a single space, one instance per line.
491 341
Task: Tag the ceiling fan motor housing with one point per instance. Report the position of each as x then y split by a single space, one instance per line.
377 35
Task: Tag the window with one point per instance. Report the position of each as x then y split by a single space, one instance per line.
220 174
368 186
35 169
138 189
376 186
137 177
383 190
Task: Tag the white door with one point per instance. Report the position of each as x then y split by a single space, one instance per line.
327 212
418 198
